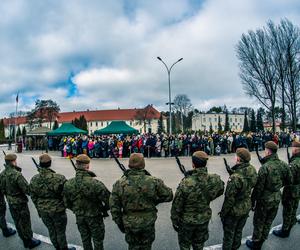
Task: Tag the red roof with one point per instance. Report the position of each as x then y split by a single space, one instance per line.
11 121
97 115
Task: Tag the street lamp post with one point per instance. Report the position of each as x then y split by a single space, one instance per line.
169 103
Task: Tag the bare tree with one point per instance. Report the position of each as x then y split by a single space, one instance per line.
257 68
291 37
145 115
183 105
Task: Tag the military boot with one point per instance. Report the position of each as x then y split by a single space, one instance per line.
7 232
32 243
281 233
255 245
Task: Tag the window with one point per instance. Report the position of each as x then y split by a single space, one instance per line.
235 119
96 124
130 123
91 124
230 119
215 119
220 119
216 127
209 119
101 124
240 119
204 119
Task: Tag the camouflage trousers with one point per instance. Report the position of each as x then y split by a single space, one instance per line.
289 213
233 229
21 216
192 235
3 224
262 221
140 240
91 228
56 225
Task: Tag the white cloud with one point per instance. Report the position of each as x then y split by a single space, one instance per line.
109 50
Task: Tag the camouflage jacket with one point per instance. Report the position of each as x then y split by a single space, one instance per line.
134 198
13 185
293 191
193 196
2 201
46 191
238 191
272 176
85 195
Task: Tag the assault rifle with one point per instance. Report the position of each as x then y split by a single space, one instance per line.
261 160
288 154
121 166
73 164
35 163
228 168
182 168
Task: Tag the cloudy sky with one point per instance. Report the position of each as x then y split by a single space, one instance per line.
96 54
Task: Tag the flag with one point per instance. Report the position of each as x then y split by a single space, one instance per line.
17 98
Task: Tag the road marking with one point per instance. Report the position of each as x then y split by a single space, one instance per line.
46 239
243 242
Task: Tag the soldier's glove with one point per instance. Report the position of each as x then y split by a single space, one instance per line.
176 227
105 214
253 206
121 227
222 216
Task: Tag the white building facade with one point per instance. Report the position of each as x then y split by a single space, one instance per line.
203 121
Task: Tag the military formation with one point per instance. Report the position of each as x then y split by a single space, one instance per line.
137 193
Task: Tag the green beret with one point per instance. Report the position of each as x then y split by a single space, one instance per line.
84 159
271 145
136 161
201 155
10 157
296 144
244 154
45 158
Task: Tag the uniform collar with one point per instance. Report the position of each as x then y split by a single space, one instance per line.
9 166
82 172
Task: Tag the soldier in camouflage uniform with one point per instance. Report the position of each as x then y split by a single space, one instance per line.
237 203
88 198
15 188
291 195
5 230
133 203
46 193
266 196
190 212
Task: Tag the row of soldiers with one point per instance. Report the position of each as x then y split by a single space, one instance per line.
136 194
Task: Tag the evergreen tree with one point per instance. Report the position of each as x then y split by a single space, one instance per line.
227 127
160 127
259 121
246 124
253 121
2 131
55 125
24 132
83 123
19 131
211 129
219 125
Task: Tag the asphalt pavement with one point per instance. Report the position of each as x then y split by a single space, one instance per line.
166 238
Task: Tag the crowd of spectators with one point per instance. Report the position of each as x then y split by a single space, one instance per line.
154 145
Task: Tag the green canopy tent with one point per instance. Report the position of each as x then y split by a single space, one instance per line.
66 129
116 127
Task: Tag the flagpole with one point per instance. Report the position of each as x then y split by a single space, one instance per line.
17 102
